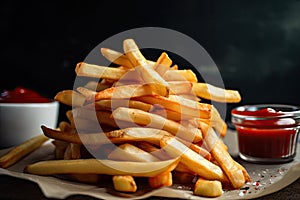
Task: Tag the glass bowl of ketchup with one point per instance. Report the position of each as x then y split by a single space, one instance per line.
22 112
267 133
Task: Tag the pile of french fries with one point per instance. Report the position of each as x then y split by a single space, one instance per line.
152 125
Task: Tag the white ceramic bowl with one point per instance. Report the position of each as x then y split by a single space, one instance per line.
22 121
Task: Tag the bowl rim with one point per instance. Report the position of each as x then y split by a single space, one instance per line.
293 113
44 104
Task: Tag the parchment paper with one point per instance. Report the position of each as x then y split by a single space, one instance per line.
266 179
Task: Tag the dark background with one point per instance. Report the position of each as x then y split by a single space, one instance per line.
255 44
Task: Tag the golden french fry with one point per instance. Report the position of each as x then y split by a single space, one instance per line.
68 152
162 180
174 67
117 136
96 71
218 123
116 57
138 134
133 53
246 175
192 160
125 92
70 98
103 117
64 126
208 188
199 150
60 148
190 97
226 162
22 150
129 152
163 64
155 121
124 183
86 92
75 151
94 166
184 169
180 75
202 109
148 74
194 109
170 114
96 86
149 147
69 115
111 104
215 121
207 91
180 87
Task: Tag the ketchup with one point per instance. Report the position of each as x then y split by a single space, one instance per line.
22 95
267 132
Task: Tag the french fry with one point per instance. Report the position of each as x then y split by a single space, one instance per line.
180 75
234 172
246 175
75 151
194 110
169 114
218 123
94 166
101 117
69 115
155 121
163 64
124 183
174 67
96 86
162 180
96 71
190 97
116 57
199 150
202 109
148 74
130 152
68 152
192 160
60 148
70 98
207 91
119 58
65 126
208 188
117 136
148 147
180 87
22 150
184 169
86 92
124 92
111 104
